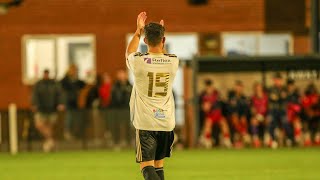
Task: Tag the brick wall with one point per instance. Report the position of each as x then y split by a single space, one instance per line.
110 21
286 15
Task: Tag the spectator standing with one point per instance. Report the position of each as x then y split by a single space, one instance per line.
105 100
120 97
71 86
47 99
88 95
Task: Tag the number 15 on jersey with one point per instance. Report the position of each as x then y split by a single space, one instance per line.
156 82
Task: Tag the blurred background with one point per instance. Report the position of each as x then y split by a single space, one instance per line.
248 77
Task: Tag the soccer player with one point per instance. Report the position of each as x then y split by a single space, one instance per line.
277 115
311 114
152 104
294 126
259 109
211 107
238 110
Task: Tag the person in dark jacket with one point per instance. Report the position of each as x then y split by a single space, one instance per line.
121 91
47 99
87 100
72 87
120 97
277 115
238 111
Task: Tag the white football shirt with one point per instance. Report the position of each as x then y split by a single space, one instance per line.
152 104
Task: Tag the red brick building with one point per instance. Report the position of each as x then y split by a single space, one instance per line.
111 20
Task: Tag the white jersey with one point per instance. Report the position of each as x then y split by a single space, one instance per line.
152 104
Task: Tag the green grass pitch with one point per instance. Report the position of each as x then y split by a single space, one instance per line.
261 164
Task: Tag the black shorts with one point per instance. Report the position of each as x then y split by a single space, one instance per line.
153 145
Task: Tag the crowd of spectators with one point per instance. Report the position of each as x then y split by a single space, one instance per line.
280 115
77 99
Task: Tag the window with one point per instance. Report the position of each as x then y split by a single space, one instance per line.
257 44
243 44
56 53
275 44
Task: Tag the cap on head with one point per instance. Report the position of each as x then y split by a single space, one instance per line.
154 33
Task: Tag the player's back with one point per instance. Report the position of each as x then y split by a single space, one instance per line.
152 103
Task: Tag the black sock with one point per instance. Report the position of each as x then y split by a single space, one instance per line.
149 173
160 173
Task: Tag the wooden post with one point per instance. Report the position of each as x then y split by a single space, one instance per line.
13 131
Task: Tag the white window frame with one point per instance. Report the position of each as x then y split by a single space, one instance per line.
30 81
258 35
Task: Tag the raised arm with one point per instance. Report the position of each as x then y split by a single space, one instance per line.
134 43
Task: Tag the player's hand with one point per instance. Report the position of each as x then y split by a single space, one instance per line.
141 20
164 51
162 22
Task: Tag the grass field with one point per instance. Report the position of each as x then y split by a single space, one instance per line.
264 164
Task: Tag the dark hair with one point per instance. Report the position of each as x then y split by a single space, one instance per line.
238 83
277 75
311 89
154 32
98 80
290 81
208 82
46 71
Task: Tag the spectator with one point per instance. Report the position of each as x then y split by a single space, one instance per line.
238 110
47 99
212 113
277 116
105 100
88 95
120 97
71 86
105 91
259 108
90 92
